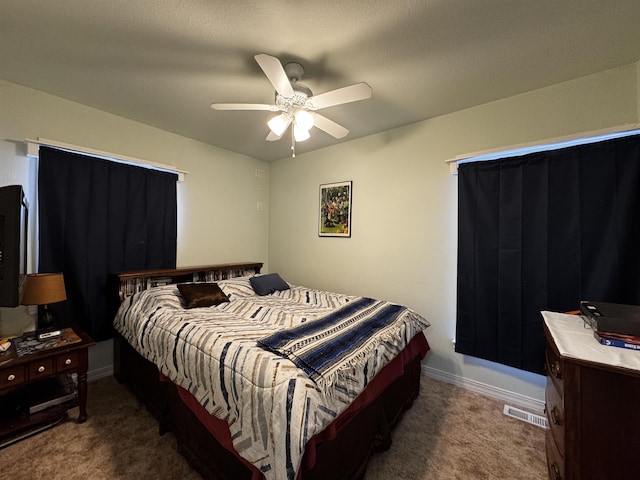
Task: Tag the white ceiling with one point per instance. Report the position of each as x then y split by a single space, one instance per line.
163 62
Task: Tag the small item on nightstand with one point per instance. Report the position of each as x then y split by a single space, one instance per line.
30 343
4 344
49 333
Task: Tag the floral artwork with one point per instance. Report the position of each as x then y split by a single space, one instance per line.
335 210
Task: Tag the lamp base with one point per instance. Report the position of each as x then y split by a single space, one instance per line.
47 326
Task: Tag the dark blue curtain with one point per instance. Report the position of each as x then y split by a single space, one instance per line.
542 232
97 217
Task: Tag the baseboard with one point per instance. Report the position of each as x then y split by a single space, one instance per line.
98 373
528 403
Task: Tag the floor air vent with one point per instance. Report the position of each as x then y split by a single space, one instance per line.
528 417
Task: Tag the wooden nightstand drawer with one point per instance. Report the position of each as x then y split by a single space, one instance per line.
68 361
12 376
41 368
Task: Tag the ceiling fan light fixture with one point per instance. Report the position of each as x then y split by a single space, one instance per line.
300 134
279 124
304 119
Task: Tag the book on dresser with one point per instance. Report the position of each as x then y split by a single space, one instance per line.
617 340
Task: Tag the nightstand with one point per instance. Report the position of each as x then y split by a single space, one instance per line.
29 365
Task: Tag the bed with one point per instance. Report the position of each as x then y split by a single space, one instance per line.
292 383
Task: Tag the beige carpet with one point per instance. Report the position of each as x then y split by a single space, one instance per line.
450 433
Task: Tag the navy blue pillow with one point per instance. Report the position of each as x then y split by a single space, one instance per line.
268 283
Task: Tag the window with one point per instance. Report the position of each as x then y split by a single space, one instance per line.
542 231
97 217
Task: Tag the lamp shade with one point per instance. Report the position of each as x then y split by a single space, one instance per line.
44 288
279 124
300 134
304 119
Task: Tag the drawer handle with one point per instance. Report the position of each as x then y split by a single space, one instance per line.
41 369
556 370
555 470
555 416
67 361
11 377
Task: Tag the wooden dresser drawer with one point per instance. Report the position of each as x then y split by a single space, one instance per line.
555 414
41 368
555 461
12 376
555 368
68 361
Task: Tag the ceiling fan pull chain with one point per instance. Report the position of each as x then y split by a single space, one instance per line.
293 143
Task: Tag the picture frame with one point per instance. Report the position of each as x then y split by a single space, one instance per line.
334 216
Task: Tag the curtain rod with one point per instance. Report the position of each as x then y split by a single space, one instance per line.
32 152
453 162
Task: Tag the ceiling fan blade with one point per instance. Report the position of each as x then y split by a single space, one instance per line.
274 71
352 93
244 106
329 126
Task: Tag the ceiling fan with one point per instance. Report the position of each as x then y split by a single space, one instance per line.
296 103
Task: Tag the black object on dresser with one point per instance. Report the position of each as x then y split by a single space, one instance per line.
592 404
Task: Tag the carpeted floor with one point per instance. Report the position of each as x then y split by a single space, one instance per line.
452 433
449 433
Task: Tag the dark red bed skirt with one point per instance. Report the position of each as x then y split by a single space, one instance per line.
387 396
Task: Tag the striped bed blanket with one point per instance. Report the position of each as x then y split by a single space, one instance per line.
272 404
338 341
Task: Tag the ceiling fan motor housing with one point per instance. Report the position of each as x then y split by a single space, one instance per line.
302 93
294 71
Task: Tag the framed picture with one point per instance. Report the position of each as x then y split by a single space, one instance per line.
335 210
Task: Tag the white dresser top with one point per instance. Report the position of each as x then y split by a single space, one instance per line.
574 338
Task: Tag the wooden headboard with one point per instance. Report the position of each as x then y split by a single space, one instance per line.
138 280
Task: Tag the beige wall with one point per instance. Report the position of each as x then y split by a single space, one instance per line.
218 218
403 244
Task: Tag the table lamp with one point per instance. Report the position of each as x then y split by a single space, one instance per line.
43 289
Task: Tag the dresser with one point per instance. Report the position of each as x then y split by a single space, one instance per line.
592 404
